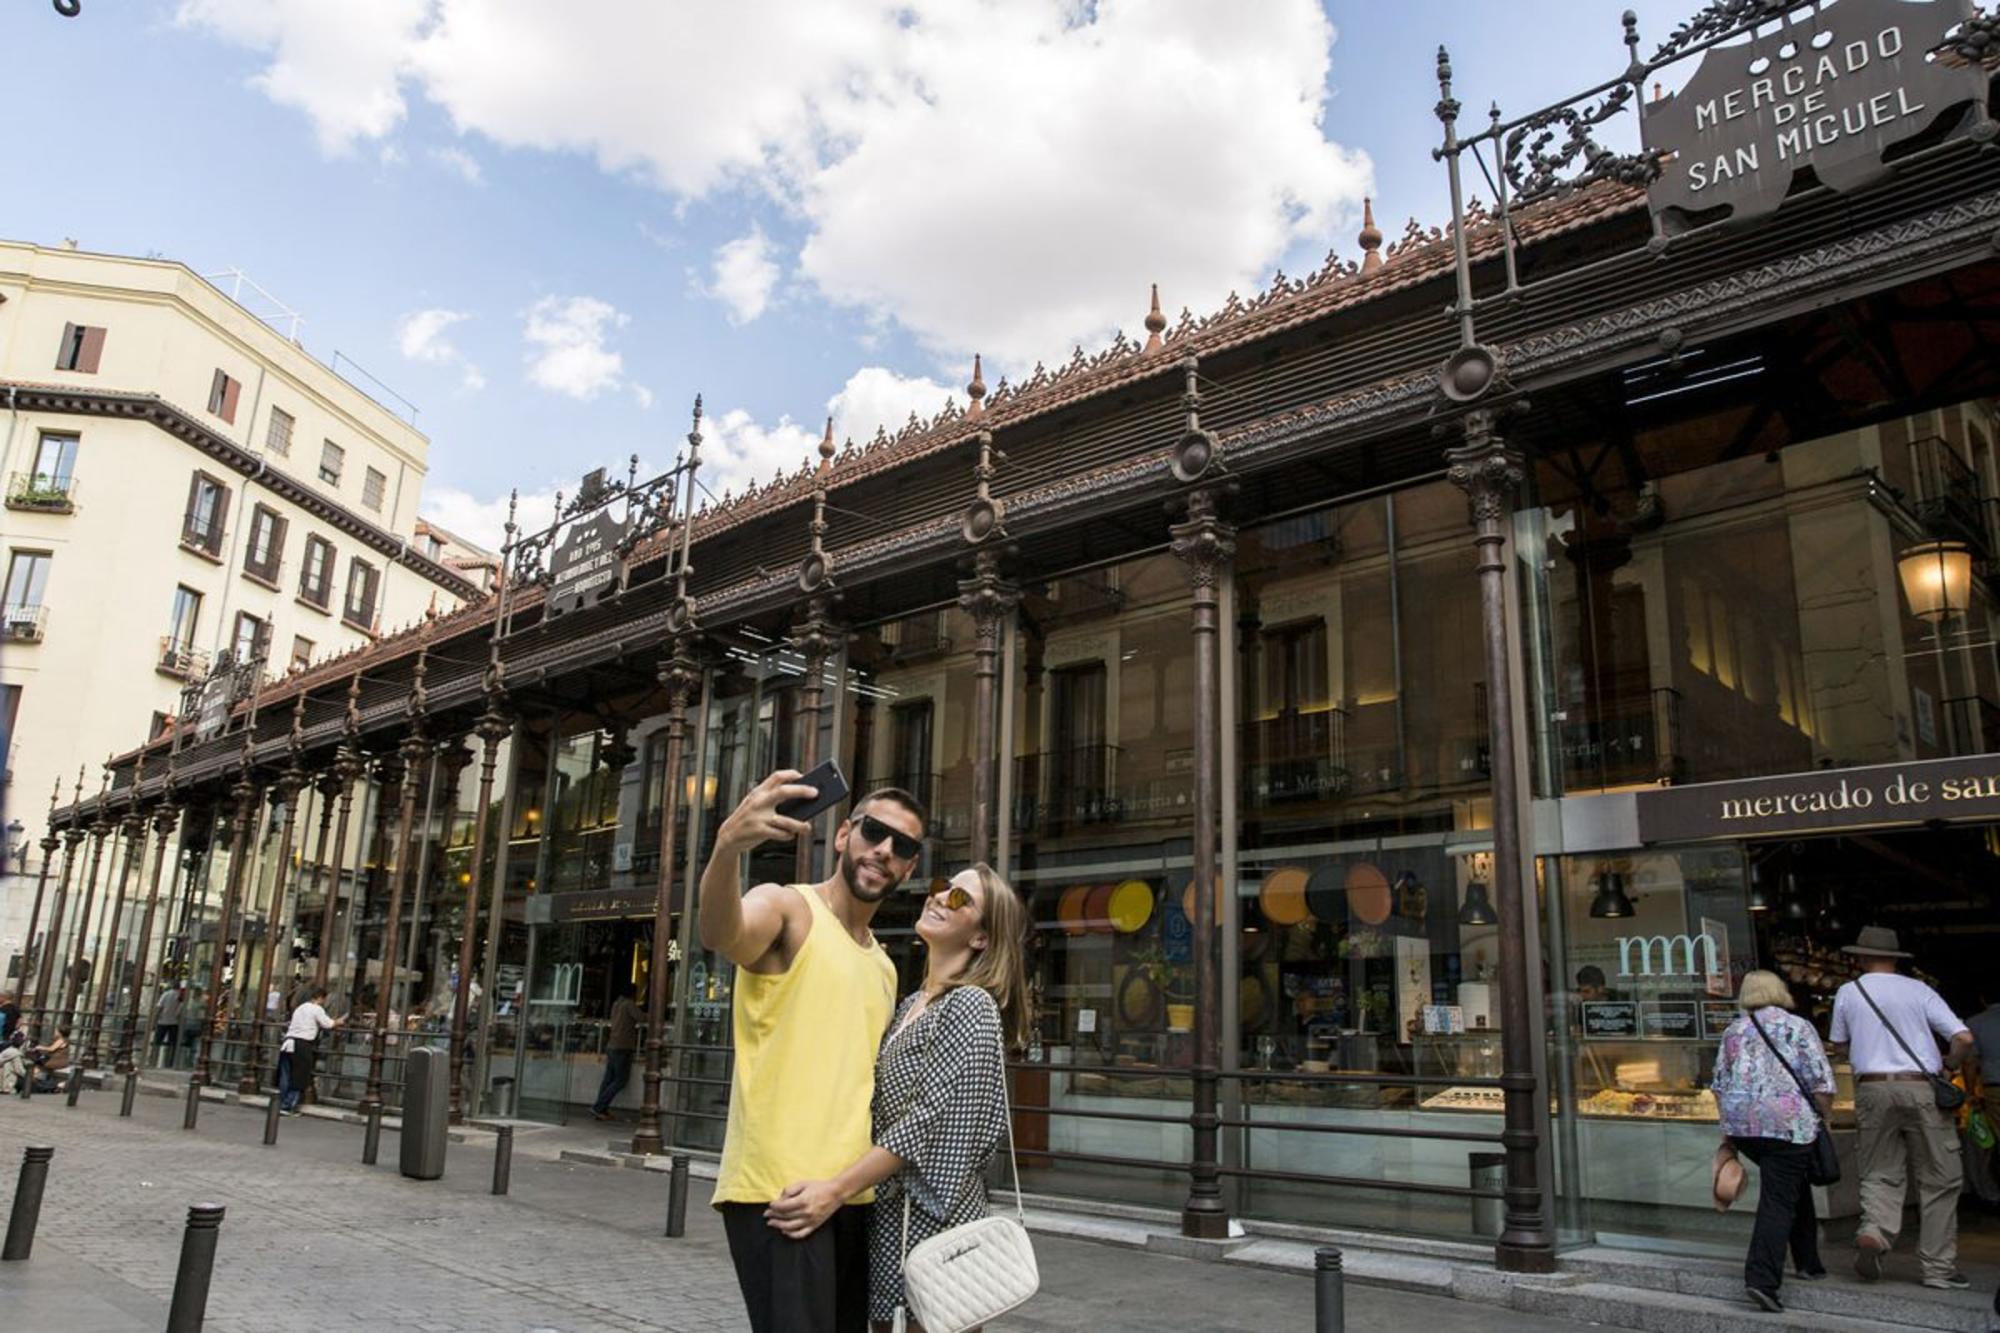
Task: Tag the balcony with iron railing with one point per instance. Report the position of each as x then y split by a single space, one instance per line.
1294 755
1950 500
180 660
1973 725
42 492
1059 790
201 535
25 622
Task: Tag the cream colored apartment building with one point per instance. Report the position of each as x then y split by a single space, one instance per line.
181 480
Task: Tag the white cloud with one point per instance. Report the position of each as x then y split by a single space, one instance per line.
736 450
459 163
997 178
421 336
566 345
643 396
485 521
340 64
877 397
745 273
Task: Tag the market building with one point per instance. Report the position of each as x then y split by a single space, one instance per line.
1491 649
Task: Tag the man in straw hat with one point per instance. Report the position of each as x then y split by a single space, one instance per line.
1889 1026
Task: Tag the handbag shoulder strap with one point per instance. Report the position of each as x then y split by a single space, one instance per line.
1915 1059
1006 1118
1788 1066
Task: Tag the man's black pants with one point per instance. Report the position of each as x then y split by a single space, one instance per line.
1785 1216
815 1285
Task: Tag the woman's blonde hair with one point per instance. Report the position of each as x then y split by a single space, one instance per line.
1001 967
1761 989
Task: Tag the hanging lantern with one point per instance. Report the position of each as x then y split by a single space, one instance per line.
1937 579
1478 907
1611 904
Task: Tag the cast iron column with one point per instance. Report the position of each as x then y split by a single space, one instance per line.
52 942
32 955
989 599
76 987
133 827
1490 474
817 638
247 797
1206 545
164 820
414 750
679 673
290 782
494 726
348 767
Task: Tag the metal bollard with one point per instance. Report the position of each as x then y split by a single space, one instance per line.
27 1203
131 1094
1329 1296
75 1084
503 1159
190 1305
371 1141
271 1121
193 1107
677 1196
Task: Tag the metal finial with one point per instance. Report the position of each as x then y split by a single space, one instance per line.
352 723
1370 238
419 701
1156 323
632 472
826 445
513 504
694 435
976 390
298 737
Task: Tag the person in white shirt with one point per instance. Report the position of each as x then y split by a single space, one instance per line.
1889 1026
299 1051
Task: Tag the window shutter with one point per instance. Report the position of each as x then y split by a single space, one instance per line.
277 556
230 389
62 348
93 348
221 523
188 533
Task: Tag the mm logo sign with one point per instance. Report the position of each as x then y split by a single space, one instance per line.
1677 955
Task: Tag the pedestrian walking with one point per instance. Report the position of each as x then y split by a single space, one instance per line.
194 1012
619 1045
1774 1087
814 992
167 1026
298 1053
940 1107
1890 1025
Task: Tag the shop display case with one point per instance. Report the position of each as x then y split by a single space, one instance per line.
1646 1078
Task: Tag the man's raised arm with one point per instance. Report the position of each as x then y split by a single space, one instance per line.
743 928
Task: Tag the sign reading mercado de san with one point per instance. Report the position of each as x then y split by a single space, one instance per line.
1841 92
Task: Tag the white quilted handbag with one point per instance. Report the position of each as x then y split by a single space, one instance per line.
966 1275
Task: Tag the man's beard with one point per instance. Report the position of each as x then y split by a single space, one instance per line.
850 871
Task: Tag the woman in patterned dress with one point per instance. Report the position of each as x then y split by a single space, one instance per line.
1769 1120
940 1099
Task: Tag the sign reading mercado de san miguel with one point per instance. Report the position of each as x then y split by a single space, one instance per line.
586 563
1840 89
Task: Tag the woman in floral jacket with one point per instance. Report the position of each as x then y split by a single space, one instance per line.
1769 1120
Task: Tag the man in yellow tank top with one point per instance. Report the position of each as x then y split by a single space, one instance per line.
814 993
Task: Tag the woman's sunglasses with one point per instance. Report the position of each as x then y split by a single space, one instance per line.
955 898
903 845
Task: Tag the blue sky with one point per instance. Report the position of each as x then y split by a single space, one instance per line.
549 226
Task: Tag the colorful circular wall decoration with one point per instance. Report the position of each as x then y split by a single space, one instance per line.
1131 906
1368 895
1283 896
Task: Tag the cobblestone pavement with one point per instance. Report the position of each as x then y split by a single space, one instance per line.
316 1240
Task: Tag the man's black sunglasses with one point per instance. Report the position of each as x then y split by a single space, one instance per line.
902 844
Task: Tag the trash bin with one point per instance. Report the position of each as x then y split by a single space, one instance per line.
426 1102
500 1100
1489 1172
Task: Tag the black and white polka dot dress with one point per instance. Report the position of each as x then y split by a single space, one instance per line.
940 1105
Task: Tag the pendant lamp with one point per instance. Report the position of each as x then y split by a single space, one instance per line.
1610 904
1478 907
